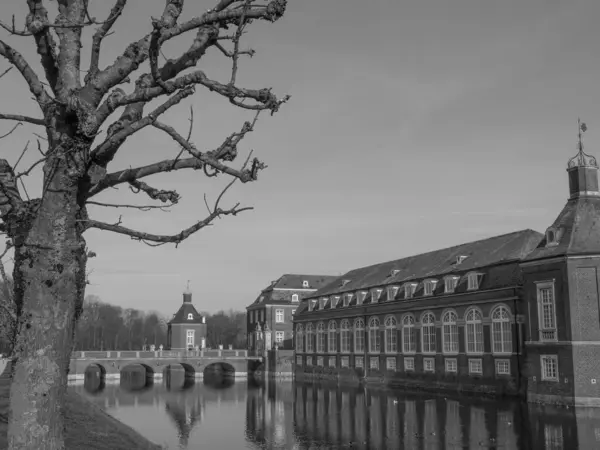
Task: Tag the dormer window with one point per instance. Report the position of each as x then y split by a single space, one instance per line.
261 299
360 297
347 299
305 284
460 258
376 294
311 305
294 298
391 292
394 272
450 283
473 280
409 290
345 282
190 316
429 287
552 237
322 303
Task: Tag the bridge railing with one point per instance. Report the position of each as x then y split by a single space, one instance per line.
132 354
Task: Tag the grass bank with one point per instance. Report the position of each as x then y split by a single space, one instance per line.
87 426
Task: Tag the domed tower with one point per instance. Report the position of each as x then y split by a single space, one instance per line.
561 286
187 329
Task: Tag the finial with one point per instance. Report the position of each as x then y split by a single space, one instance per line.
582 159
187 289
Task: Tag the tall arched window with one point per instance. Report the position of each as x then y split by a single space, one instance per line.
359 336
320 337
310 342
501 330
332 337
391 335
474 331
374 335
300 338
450 332
409 338
428 332
345 336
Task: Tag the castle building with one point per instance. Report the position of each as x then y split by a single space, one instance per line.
516 314
187 328
274 309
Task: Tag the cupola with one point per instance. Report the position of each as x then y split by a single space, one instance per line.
582 170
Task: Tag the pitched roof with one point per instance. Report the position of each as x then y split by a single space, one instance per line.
578 225
486 252
295 281
181 315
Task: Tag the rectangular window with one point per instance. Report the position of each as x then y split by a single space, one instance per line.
347 299
390 364
300 342
345 361
320 361
547 311
293 312
359 340
322 303
502 367
428 364
279 315
376 295
262 315
392 291
428 288
409 290
279 336
549 367
450 284
299 360
309 360
409 364
451 365
473 281
190 338
374 363
335 301
475 366
332 361
359 362
361 297
409 342
374 340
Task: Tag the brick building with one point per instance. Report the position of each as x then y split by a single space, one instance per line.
275 306
515 314
187 328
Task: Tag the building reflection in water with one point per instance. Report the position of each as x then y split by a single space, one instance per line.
319 416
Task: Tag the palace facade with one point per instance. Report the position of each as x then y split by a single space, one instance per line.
516 314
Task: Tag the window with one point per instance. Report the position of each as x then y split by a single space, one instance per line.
309 360
502 367
391 336
450 284
310 343
390 364
332 337
262 315
359 336
279 336
345 361
409 342
294 298
335 301
320 361
546 311
474 331
392 291
359 362
550 236
311 304
475 366
293 312
261 299
374 336
409 290
450 332
429 287
300 338
322 303
501 330
305 284
374 363
320 337
549 367
428 333
345 282
298 360
332 362
360 298
347 299
451 365
345 336
279 315
473 281
190 338
376 294
428 364
190 316
409 364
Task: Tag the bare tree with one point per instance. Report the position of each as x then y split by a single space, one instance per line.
50 252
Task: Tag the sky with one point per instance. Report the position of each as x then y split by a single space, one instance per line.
413 125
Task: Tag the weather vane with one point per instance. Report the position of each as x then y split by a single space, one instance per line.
582 128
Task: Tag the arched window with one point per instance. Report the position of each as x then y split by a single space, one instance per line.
320 337
374 335
190 316
310 342
345 336
409 341
501 330
295 298
428 332
332 337
450 332
474 331
300 338
391 335
359 336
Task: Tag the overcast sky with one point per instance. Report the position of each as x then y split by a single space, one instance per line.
413 125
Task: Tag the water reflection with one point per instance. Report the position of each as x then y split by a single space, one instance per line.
223 414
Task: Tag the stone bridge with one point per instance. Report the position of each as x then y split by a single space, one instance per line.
110 364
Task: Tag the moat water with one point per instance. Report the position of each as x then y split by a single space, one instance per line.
222 413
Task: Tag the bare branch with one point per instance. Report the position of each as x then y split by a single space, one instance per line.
37 23
13 29
10 199
6 71
20 118
144 208
12 130
155 194
21 156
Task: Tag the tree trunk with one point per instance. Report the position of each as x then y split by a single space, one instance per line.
49 276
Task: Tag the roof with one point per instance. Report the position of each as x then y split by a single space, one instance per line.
295 281
181 315
482 253
578 226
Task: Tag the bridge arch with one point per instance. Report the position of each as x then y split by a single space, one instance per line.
220 368
134 380
94 378
190 372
